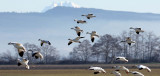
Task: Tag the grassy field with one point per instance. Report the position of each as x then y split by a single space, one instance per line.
69 72
62 70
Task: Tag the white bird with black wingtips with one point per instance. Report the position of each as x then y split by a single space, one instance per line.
89 16
97 70
75 40
80 21
137 30
21 49
78 30
135 73
92 35
23 62
123 68
116 73
129 41
141 67
44 42
121 59
36 54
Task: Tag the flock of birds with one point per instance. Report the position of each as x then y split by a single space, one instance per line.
37 55
79 31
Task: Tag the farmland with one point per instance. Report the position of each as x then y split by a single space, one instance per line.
69 70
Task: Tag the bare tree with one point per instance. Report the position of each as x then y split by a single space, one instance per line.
82 51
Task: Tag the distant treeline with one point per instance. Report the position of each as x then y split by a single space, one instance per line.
145 50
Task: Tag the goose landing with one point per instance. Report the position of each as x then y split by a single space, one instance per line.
23 62
74 40
44 42
92 35
21 49
78 30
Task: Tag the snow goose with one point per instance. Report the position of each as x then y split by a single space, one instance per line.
140 67
137 30
23 62
80 21
93 34
89 16
75 40
97 70
21 49
36 54
78 30
116 73
129 41
44 41
135 73
118 68
122 59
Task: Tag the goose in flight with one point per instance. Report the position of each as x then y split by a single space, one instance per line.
80 21
44 41
116 73
21 49
89 16
23 62
135 73
137 30
140 67
92 35
123 68
129 41
122 59
75 40
36 54
97 70
78 30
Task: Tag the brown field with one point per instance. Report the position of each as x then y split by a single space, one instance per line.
68 70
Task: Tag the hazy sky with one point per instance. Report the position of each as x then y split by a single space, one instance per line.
151 6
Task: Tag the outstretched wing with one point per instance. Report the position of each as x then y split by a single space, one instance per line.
49 43
137 32
20 52
92 39
70 43
78 33
19 64
34 54
41 43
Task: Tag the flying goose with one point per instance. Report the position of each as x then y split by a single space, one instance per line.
75 40
135 73
97 70
21 49
44 41
140 67
80 21
78 30
137 30
93 34
116 73
89 16
23 62
129 41
36 54
123 68
122 59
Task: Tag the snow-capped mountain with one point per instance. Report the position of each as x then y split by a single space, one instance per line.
64 4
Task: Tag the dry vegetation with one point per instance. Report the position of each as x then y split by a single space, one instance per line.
65 70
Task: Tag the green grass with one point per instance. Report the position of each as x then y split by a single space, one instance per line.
70 72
